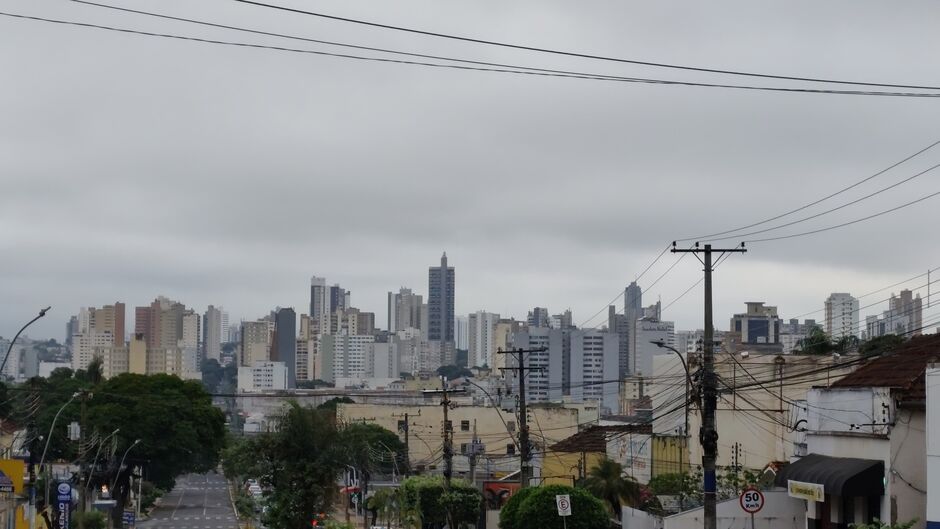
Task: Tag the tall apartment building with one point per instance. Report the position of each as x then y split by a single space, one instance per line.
792 333
462 330
538 317
255 342
579 365
623 327
481 328
284 343
842 315
404 310
347 355
632 311
188 343
904 317
502 339
212 325
441 286
97 328
650 330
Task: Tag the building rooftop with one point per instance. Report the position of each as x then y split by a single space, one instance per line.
902 369
594 439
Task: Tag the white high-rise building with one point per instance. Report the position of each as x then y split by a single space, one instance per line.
481 327
648 331
842 317
84 345
462 328
262 376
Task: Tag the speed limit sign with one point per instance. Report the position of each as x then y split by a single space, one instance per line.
752 500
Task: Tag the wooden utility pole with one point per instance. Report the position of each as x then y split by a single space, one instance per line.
708 433
525 452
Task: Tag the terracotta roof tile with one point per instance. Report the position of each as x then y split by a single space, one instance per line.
902 369
594 439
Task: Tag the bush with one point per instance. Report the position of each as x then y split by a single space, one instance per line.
537 509
508 515
149 494
90 519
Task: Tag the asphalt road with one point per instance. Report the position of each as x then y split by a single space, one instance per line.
199 501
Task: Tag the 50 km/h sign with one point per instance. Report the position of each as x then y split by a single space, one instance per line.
752 500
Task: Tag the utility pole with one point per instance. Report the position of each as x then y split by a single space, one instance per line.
473 455
708 433
405 430
448 433
81 459
447 430
524 449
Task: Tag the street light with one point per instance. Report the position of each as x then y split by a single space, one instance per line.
688 377
13 341
32 494
118 473
95 460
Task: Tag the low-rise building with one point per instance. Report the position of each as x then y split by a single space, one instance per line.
866 443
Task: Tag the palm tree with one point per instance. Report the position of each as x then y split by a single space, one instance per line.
608 482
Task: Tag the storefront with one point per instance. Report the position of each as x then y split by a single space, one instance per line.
839 491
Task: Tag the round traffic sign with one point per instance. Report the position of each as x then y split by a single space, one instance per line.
752 500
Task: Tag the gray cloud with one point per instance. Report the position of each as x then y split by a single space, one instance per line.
136 166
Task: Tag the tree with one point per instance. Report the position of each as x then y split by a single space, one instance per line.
881 344
817 343
608 482
537 509
373 449
509 514
435 506
179 429
298 463
453 372
330 405
211 374
313 384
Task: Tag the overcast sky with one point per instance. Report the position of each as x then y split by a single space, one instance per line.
137 166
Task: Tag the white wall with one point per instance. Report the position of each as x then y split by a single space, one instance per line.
933 445
780 512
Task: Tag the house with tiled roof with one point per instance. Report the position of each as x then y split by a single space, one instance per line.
866 442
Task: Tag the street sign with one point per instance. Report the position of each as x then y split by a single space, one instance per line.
563 502
6 484
752 500
129 518
64 504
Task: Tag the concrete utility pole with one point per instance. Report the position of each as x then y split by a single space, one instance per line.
708 434
525 452
447 430
404 429
448 433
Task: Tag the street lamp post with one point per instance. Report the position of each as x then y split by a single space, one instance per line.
121 464
95 461
688 377
32 489
13 341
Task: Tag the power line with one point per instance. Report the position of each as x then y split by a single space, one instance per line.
622 292
582 55
823 199
519 70
844 224
828 211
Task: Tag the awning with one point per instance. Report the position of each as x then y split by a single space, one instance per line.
841 476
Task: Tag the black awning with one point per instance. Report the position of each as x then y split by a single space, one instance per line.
842 476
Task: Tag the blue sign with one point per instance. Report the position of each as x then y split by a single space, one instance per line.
6 484
129 518
64 504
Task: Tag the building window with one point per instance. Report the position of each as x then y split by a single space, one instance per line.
510 450
511 426
464 426
449 426
464 448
